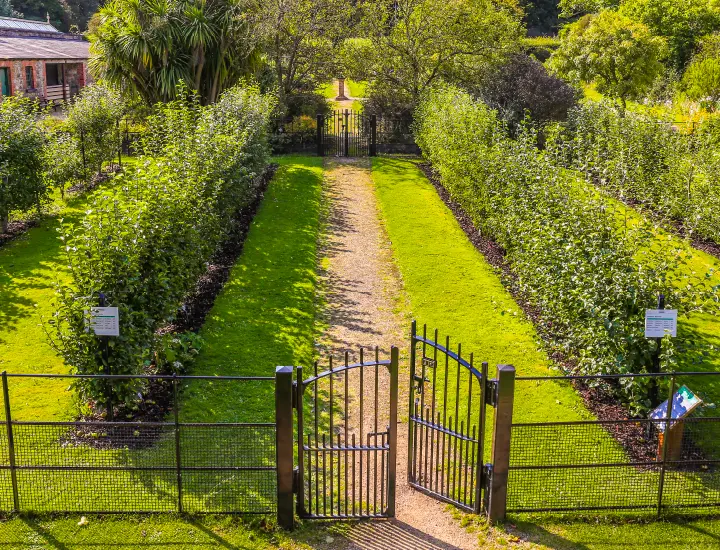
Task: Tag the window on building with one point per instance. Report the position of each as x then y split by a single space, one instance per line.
29 78
53 74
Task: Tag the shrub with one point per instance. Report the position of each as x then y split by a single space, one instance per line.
63 162
145 242
93 119
21 145
702 82
590 276
523 85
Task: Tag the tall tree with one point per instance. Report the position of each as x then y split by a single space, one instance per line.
151 46
682 23
621 56
298 40
408 45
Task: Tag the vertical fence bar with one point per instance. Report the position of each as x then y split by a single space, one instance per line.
320 128
411 401
392 435
373 135
481 440
11 442
299 391
666 433
347 133
178 463
284 446
501 442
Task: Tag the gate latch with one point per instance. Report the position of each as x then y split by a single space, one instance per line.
491 390
487 472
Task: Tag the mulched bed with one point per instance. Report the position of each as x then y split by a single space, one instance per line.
600 401
157 400
17 228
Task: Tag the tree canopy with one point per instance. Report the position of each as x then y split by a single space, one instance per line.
681 23
408 45
702 81
620 55
150 46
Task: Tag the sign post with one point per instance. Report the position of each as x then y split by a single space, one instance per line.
105 323
658 323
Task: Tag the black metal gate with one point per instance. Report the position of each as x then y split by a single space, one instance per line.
347 134
446 432
347 446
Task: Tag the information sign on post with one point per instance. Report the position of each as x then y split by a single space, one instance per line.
684 402
105 321
659 322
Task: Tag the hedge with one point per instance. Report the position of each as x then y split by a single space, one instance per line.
590 277
144 242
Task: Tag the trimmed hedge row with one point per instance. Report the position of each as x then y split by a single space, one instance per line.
144 242
589 275
644 160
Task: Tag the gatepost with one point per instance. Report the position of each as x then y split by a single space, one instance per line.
497 501
284 446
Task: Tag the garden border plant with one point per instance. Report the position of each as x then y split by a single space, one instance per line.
145 242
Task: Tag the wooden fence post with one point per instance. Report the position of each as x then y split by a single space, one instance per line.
284 446
501 442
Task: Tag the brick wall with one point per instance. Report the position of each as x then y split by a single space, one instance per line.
76 75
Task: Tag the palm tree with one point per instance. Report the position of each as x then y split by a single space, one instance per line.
150 46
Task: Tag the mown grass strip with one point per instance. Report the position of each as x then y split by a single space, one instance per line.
265 315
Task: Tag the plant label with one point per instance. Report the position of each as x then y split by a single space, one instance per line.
105 321
684 402
659 322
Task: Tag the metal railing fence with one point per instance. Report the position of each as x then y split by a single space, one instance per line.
609 460
207 462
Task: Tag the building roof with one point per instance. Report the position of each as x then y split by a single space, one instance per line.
42 48
10 23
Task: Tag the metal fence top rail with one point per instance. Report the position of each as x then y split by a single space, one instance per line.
137 376
343 368
454 356
617 376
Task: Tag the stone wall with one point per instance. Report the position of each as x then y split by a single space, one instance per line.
76 76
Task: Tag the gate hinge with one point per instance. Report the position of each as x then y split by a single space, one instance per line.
491 391
296 480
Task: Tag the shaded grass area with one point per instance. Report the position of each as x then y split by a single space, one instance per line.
452 287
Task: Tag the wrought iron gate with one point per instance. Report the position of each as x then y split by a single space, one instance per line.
347 134
347 447
448 396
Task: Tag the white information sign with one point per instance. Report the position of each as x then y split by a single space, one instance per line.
105 321
659 322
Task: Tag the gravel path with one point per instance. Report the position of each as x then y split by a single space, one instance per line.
365 305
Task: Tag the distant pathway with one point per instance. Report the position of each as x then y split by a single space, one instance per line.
365 307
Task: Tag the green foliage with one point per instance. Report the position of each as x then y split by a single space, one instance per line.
702 81
145 242
409 45
681 23
298 39
93 119
62 159
590 278
150 47
640 159
21 143
618 54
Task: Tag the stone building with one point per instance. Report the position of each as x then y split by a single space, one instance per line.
39 61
